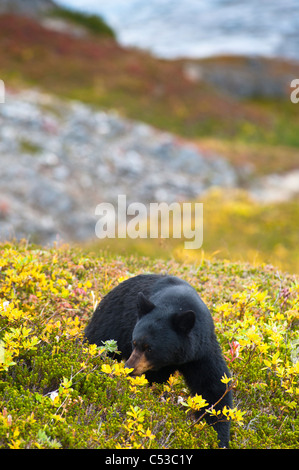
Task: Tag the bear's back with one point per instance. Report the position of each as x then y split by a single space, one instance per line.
116 315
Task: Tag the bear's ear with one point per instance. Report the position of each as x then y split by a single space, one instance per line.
144 305
183 322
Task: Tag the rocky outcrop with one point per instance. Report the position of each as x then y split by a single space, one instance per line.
60 159
245 77
33 8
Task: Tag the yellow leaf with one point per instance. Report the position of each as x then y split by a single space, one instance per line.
140 380
267 363
149 434
57 418
106 368
196 402
15 444
226 379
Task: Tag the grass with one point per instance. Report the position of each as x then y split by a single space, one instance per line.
259 158
59 393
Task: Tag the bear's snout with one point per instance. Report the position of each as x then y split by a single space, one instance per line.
138 362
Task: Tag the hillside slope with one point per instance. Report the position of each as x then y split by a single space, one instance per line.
101 72
33 8
257 135
158 92
58 393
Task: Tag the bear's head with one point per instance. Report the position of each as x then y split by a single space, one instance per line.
161 336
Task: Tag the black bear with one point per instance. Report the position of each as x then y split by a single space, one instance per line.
161 325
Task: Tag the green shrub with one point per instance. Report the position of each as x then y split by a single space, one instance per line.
93 23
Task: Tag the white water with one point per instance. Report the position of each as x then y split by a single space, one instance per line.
200 28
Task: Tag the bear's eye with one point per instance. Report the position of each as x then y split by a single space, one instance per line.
147 348
134 343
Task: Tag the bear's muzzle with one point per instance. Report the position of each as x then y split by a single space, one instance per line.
138 362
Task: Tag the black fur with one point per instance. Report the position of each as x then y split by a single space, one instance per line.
166 314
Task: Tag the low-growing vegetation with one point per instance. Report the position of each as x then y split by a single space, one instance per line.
92 23
59 392
235 228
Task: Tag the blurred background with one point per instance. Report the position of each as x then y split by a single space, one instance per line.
163 101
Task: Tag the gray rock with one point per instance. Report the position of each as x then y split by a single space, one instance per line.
26 7
60 159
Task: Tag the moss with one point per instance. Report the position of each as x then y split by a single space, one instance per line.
29 147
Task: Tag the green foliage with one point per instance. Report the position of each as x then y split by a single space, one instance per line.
93 23
59 392
110 346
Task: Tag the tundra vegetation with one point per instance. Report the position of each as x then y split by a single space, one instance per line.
58 392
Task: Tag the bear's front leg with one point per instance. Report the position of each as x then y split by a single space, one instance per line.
222 427
204 378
